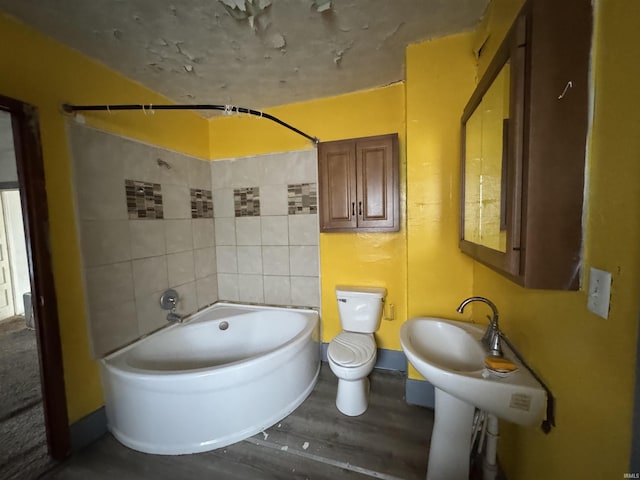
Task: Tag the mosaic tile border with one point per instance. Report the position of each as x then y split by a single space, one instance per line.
201 203
302 198
246 201
144 200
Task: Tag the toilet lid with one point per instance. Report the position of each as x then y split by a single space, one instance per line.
350 349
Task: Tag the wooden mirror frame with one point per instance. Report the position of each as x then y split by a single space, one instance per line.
512 49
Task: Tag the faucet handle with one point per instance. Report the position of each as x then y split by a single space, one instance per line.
169 300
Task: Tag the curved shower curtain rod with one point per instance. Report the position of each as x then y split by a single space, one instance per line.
229 109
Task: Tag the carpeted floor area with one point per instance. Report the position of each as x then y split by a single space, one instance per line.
23 446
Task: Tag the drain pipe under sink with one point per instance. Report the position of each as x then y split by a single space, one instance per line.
489 465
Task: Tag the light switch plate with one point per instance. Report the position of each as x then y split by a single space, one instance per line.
599 292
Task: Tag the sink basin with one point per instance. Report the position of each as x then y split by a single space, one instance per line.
443 345
450 355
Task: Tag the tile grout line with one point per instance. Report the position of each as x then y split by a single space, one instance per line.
317 458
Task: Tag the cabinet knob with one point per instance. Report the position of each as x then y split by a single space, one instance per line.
360 208
353 209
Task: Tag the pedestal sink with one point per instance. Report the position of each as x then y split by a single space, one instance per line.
450 356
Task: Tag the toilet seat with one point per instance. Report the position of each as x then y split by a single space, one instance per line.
352 350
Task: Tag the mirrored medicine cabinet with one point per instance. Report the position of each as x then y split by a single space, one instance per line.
523 147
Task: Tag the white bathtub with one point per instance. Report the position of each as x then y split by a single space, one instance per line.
199 386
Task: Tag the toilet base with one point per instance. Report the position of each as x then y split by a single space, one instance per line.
353 396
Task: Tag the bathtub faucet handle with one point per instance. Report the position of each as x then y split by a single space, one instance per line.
169 300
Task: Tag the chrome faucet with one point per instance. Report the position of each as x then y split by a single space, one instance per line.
169 301
491 338
172 316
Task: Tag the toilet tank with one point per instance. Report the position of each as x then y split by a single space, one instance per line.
360 307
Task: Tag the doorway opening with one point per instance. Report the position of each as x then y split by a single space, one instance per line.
15 289
28 306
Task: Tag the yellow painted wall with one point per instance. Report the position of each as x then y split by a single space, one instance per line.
440 80
360 114
345 258
46 74
492 29
588 362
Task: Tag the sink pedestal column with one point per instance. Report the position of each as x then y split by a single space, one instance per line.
449 454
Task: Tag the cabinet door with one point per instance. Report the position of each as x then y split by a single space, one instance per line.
337 178
377 183
558 120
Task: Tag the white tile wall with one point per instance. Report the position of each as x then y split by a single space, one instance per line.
228 286
188 299
270 258
203 232
176 201
178 235
227 259
101 173
178 174
150 275
304 230
108 285
250 288
105 241
275 260
273 257
205 262
146 165
305 289
129 263
147 238
225 230
277 290
304 260
150 316
207 290
199 174
181 269
275 230
250 259
248 231
246 172
113 327
223 203
273 200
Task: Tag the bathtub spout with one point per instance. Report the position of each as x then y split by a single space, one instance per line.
174 317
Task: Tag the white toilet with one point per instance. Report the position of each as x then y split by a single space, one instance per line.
352 353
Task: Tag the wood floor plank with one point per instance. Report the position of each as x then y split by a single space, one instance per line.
391 437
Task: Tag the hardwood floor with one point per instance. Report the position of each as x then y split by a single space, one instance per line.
390 442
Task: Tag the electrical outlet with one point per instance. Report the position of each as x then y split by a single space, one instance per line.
599 292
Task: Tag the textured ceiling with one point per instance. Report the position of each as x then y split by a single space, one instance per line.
252 53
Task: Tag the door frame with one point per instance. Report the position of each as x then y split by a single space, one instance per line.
33 197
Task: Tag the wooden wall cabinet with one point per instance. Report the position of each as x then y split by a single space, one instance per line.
545 141
358 185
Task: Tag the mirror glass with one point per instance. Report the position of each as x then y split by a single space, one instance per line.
485 163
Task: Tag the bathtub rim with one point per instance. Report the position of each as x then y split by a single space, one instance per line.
140 374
